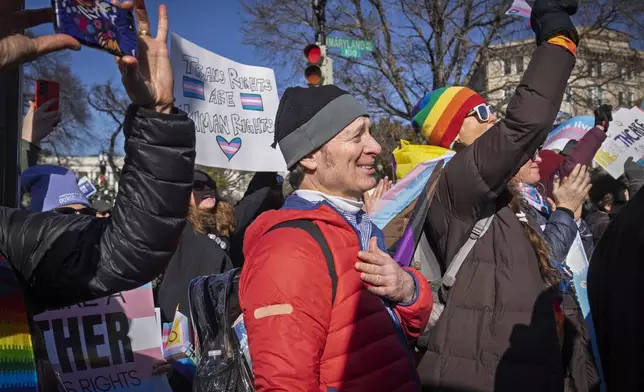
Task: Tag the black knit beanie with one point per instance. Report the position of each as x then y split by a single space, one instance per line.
307 118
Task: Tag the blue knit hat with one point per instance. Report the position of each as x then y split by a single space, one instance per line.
52 187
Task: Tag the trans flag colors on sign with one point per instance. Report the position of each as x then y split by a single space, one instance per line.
233 107
108 344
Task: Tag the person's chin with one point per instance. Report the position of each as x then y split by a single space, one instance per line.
367 183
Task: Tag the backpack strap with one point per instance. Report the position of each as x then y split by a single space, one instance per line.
477 232
315 232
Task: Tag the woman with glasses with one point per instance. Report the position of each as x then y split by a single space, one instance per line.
500 328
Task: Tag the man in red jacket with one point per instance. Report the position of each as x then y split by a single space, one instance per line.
343 326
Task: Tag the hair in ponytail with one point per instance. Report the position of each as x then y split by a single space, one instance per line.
541 249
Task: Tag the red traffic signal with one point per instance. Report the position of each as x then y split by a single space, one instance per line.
313 54
315 58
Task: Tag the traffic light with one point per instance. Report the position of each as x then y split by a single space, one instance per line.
319 67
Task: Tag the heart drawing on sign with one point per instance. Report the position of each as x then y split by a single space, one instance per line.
229 148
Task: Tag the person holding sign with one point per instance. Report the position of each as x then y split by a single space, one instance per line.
324 306
499 328
55 260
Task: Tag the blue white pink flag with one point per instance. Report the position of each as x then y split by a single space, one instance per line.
193 88
252 102
572 129
521 8
404 192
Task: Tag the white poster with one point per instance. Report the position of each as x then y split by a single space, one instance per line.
625 139
233 106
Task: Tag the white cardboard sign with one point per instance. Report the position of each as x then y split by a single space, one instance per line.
233 106
625 139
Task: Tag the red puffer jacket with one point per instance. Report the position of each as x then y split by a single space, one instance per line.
298 340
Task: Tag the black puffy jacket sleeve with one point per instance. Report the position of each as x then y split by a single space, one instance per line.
65 259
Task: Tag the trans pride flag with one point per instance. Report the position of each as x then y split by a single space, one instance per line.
193 88
401 212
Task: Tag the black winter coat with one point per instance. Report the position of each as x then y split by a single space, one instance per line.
61 260
616 297
581 371
498 330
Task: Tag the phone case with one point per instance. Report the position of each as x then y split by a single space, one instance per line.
46 91
98 24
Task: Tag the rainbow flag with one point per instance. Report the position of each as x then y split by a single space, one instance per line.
17 361
252 102
193 88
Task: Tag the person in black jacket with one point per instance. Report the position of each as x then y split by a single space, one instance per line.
264 193
615 290
203 250
55 260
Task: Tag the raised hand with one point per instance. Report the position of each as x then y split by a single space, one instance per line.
149 80
573 190
383 276
603 116
551 18
39 123
370 201
16 48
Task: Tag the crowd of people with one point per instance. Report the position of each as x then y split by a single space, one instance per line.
324 305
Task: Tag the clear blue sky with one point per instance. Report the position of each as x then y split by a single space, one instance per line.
211 24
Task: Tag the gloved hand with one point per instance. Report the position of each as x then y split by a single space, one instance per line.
603 116
552 17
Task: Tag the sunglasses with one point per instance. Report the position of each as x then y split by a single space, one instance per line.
203 185
73 211
483 112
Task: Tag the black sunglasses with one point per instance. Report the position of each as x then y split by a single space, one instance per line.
72 211
202 185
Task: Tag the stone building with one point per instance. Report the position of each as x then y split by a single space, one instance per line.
608 70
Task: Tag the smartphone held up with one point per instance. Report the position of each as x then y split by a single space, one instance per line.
98 24
48 91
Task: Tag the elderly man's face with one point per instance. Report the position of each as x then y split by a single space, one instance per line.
345 165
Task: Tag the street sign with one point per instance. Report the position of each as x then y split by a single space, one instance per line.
353 53
349 43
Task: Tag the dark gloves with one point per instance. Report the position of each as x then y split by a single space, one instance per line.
552 17
603 116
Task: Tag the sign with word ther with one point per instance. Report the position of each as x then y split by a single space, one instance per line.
106 345
232 105
350 47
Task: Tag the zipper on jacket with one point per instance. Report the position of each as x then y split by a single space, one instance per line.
392 314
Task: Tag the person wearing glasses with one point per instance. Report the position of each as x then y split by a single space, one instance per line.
500 329
54 188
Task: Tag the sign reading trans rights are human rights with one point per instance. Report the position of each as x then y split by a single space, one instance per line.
232 105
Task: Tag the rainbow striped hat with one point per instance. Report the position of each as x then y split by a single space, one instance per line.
440 114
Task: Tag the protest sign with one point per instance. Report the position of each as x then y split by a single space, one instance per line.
521 8
232 105
109 344
573 129
625 139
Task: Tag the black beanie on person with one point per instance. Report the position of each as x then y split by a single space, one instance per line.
307 118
